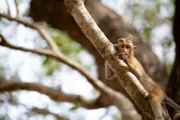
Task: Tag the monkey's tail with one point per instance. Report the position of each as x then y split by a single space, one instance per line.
170 102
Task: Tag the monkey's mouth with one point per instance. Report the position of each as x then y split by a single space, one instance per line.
126 54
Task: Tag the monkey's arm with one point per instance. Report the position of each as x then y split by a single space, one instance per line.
108 72
131 67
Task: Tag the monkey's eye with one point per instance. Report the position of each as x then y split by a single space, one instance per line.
127 47
122 46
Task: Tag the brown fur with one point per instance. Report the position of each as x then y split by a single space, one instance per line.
156 96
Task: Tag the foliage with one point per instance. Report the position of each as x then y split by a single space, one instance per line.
66 45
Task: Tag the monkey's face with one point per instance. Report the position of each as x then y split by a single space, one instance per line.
125 49
125 46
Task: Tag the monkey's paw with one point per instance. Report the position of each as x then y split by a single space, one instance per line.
122 56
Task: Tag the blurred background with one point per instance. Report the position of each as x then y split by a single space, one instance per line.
153 23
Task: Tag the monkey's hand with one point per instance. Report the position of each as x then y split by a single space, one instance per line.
123 57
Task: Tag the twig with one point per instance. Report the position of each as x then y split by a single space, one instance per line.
47 112
18 15
104 115
41 31
44 112
5 43
37 110
8 8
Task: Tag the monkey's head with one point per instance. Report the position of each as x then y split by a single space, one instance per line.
125 45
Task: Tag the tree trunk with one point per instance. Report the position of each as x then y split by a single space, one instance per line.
173 88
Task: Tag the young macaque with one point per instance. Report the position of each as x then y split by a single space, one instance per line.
156 97
126 49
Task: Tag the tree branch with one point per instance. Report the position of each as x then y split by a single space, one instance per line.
8 8
60 57
18 15
4 42
36 109
124 104
96 83
46 112
56 95
41 31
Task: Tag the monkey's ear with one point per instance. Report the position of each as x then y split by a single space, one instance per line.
130 37
135 47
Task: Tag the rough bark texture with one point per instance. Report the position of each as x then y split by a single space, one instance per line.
173 88
53 12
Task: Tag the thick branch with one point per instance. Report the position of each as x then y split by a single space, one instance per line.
77 9
103 100
99 40
56 95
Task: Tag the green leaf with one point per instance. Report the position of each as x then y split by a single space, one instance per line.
75 107
50 66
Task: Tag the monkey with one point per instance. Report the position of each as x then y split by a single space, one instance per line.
109 75
156 97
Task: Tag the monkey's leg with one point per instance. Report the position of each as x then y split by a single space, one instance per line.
165 112
156 107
